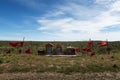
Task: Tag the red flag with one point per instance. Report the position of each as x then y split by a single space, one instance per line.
27 51
21 43
13 44
103 43
90 43
87 49
77 49
8 52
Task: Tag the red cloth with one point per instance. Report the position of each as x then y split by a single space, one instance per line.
8 52
13 44
77 49
90 43
27 51
103 43
21 43
87 49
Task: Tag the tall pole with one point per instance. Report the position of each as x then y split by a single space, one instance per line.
23 44
23 39
90 44
108 49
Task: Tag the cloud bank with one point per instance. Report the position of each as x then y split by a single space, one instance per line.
77 21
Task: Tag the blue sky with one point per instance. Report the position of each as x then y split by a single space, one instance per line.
60 20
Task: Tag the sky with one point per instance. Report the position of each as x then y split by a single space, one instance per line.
60 20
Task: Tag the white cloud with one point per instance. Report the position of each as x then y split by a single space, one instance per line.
116 6
84 20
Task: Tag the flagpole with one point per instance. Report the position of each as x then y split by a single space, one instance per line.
91 46
107 42
23 44
23 39
108 49
107 46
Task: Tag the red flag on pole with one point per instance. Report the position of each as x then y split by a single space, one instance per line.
13 44
103 43
87 49
21 43
27 51
90 43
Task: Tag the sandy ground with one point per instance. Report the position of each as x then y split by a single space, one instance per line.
60 76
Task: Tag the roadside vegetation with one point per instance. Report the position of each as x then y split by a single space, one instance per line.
33 64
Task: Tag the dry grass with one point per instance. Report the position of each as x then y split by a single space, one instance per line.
60 76
34 67
35 63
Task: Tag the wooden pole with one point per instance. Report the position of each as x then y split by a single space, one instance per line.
108 48
23 44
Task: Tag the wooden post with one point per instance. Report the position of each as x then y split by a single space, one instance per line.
23 45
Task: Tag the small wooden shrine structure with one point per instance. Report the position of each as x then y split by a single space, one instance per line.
59 50
49 48
70 51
